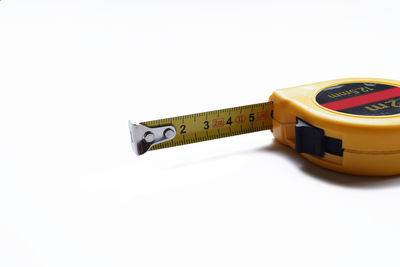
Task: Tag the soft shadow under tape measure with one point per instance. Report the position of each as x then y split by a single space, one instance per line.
347 125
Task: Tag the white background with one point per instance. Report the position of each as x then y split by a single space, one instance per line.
72 193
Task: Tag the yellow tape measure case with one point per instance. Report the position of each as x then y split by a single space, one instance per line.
347 125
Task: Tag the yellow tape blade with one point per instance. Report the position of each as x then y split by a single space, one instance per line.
216 124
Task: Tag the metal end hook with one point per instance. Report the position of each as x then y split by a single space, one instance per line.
143 137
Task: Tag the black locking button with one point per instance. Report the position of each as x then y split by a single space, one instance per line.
312 140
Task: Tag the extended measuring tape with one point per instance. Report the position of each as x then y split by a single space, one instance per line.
347 125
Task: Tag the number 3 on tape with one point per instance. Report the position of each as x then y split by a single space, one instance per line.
346 125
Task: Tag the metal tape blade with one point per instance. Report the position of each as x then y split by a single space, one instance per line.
187 129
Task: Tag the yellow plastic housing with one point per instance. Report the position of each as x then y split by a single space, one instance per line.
371 144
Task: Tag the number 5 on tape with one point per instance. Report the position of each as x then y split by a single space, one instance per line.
347 125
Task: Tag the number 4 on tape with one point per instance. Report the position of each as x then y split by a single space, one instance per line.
347 125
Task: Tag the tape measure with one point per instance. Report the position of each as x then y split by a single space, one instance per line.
346 125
